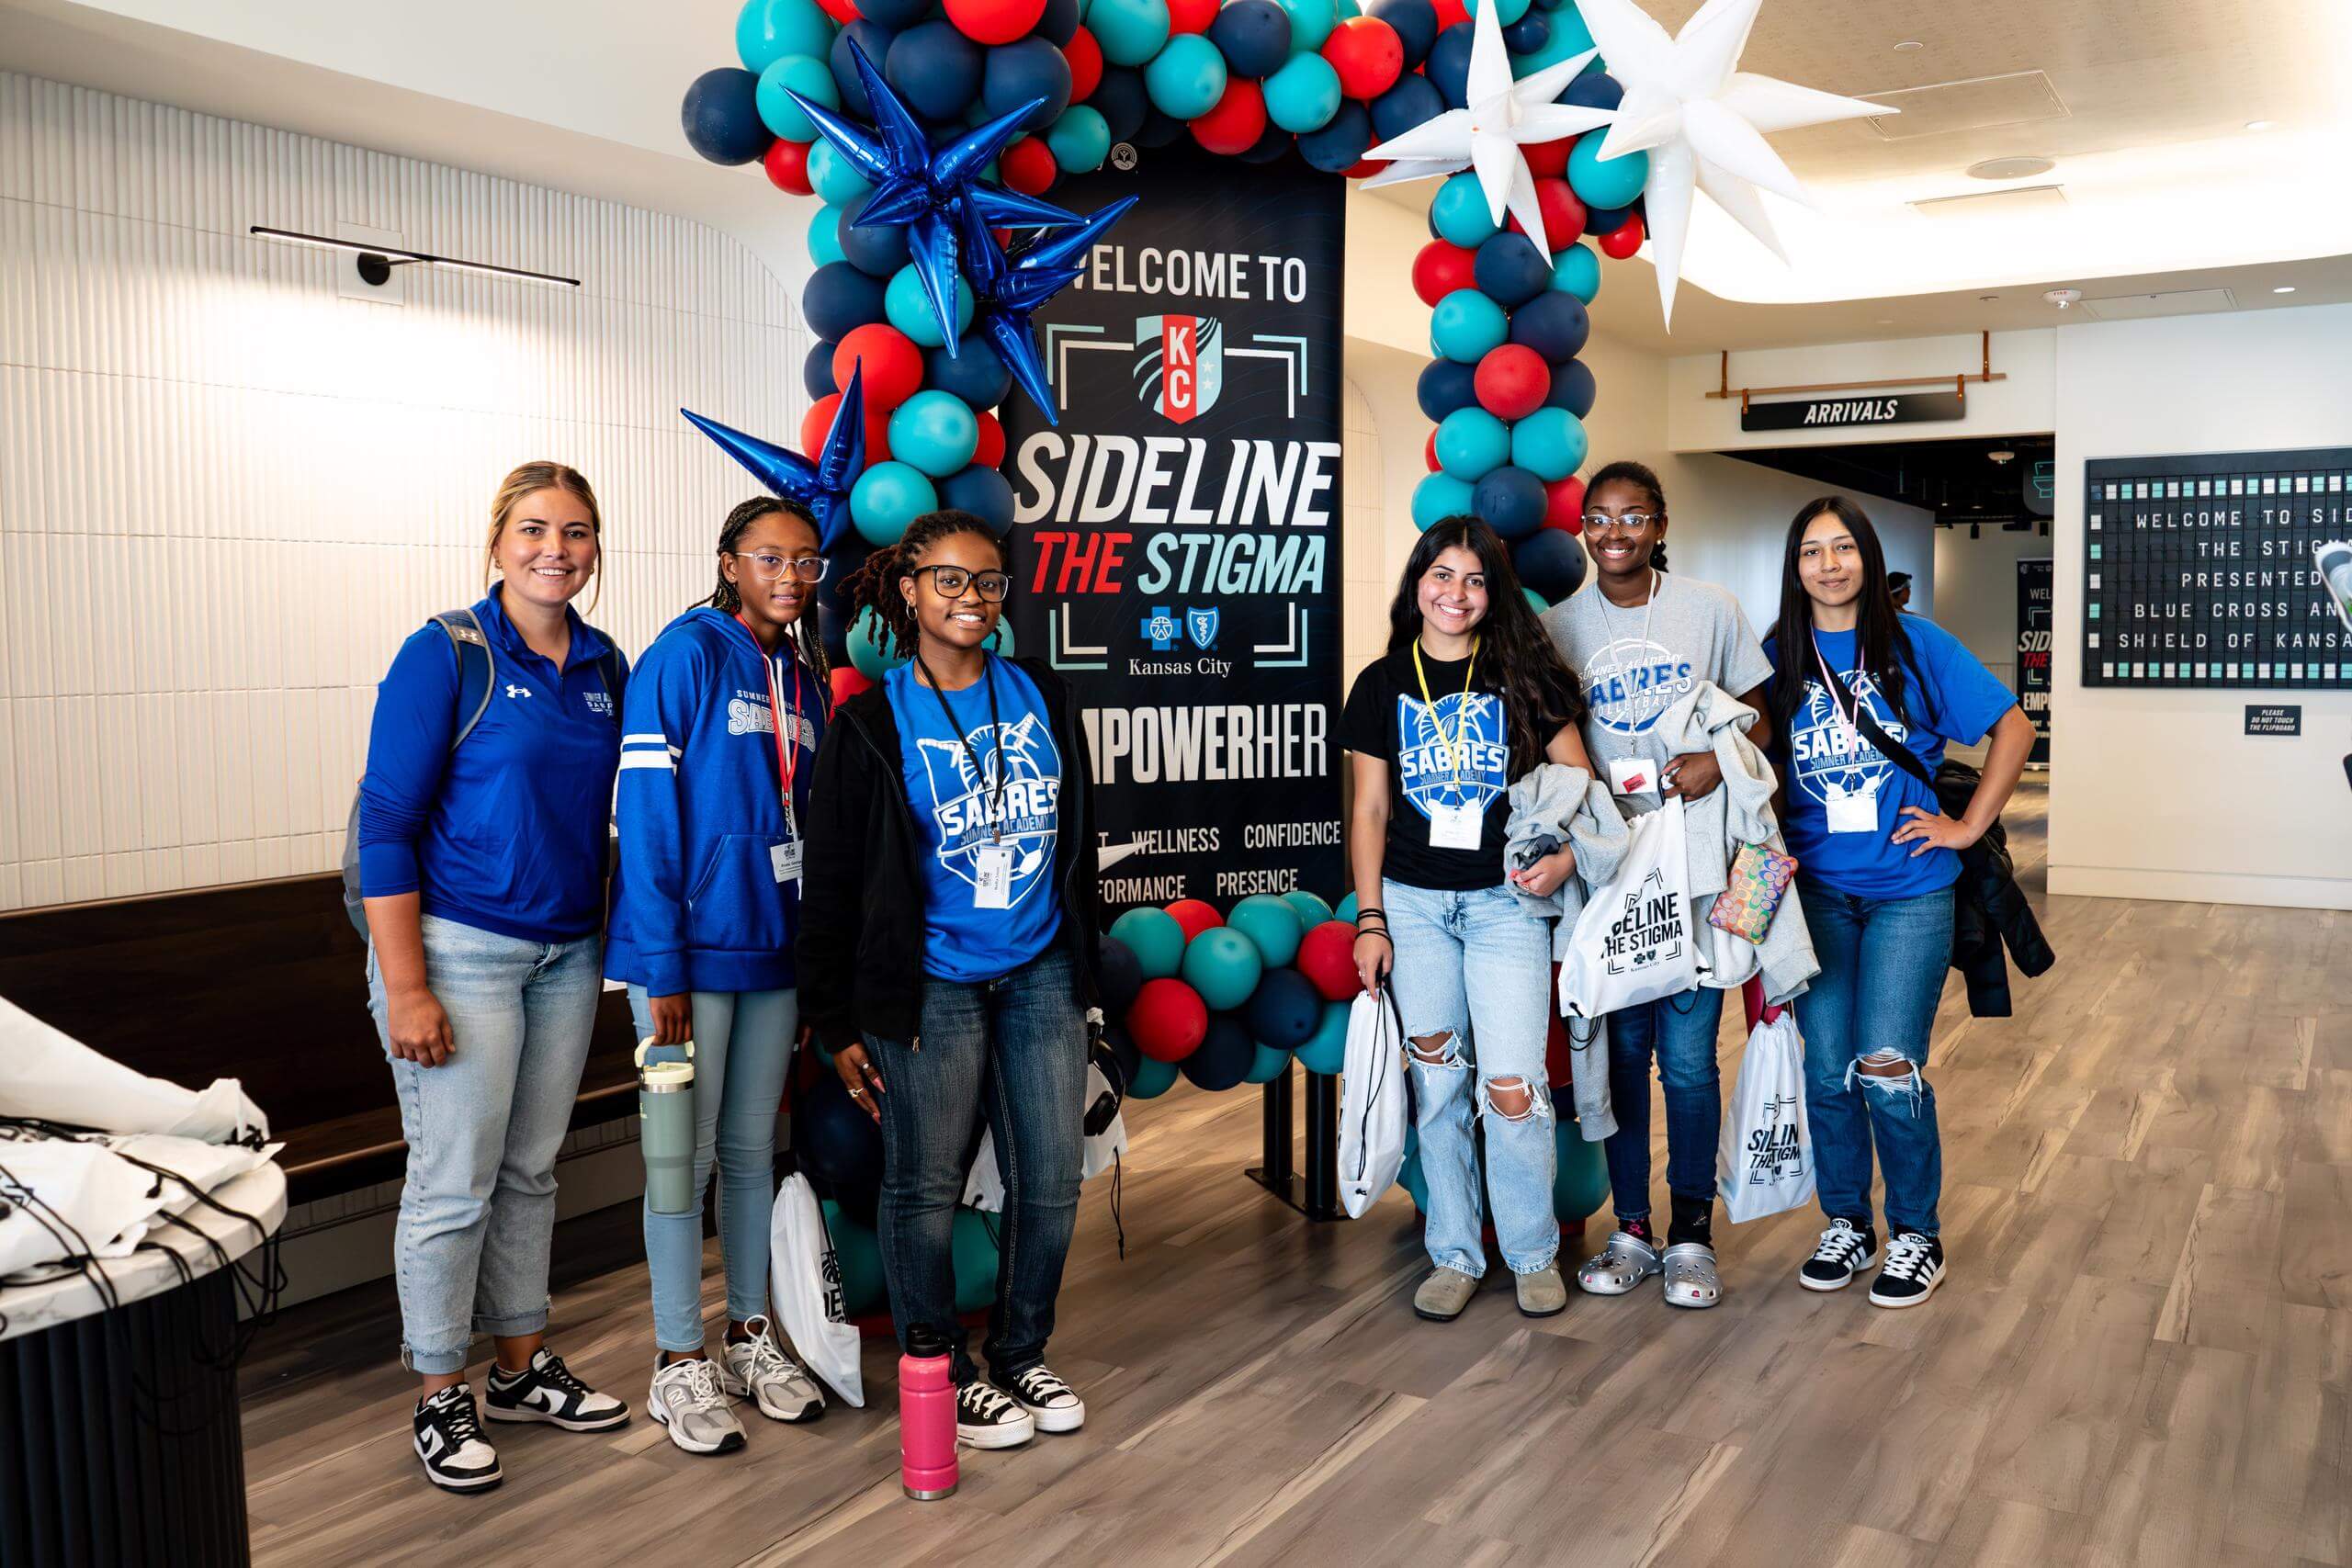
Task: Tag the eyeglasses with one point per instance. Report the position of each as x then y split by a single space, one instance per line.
951 580
767 566
1632 522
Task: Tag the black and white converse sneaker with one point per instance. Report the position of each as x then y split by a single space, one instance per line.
988 1417
546 1391
1052 1403
448 1440
1915 1266
1844 1251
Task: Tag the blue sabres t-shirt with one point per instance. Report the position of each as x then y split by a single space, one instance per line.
955 807
1949 696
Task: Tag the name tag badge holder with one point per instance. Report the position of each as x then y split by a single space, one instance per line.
1632 775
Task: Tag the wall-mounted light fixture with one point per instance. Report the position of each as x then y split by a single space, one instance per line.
377 261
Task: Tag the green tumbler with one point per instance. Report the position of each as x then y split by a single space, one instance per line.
665 1130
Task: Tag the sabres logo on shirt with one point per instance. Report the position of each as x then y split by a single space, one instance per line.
1830 759
1632 681
963 800
1452 752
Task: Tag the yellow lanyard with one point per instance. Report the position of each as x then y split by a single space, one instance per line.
1457 746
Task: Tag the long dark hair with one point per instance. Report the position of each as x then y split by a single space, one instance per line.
875 585
1536 685
1643 478
808 633
1881 645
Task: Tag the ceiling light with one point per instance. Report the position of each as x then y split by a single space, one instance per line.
1909 46
377 261
2284 288
2062 298
2260 125
2009 168
2002 454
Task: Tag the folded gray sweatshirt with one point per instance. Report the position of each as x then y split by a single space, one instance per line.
1567 802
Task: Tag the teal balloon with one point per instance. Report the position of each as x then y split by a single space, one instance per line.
1606 183
866 646
1000 640
1305 94
1460 214
1506 11
887 498
1311 22
766 30
1550 444
802 74
1325 1049
833 177
857 1251
934 431
1272 927
1472 443
825 236
909 309
1439 497
1415 1185
972 1247
1187 78
1577 271
1223 965
1579 1175
1129 31
1151 1079
1465 327
1080 141
1568 37
1535 601
1267 1065
1312 910
1347 910
1156 940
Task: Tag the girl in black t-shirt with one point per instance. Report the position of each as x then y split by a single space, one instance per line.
1469 697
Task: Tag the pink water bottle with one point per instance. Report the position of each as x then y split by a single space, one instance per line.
926 1416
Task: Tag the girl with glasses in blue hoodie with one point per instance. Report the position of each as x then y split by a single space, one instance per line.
717 746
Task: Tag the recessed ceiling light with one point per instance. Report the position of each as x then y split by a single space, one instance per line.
2262 125
1909 46
2009 168
2286 289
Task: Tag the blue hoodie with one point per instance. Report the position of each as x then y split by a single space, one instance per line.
508 832
698 905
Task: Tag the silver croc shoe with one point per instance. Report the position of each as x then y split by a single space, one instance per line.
1690 1279
1624 1263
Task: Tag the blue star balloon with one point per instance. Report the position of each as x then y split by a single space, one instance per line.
1009 288
929 193
822 486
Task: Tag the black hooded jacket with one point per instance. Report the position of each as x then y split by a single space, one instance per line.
1989 909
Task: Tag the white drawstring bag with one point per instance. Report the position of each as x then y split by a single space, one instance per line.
1372 1101
1637 939
1765 1164
984 1184
804 1290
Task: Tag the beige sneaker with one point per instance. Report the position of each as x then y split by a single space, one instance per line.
1443 1294
1543 1293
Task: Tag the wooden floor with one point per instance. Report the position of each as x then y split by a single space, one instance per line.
2143 1355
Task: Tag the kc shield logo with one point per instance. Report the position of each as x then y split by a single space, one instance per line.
1179 365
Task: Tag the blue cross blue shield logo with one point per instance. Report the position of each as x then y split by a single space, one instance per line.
1201 626
1160 628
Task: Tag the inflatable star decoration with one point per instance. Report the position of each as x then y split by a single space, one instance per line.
822 486
1011 287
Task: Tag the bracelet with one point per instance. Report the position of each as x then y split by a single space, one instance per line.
1361 913
1381 934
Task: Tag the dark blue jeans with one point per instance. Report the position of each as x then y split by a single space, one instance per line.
1681 1033
1882 962
1014 1050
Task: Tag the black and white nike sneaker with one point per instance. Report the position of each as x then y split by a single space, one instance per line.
988 1417
1052 1403
1915 1266
1844 1251
546 1391
448 1440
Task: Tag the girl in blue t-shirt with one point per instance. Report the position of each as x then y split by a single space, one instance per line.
1864 700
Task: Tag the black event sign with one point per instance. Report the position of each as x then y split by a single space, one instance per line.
2035 582
1822 413
2198 569
1176 542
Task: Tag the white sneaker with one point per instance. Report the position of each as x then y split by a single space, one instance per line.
449 1442
757 1368
686 1398
1052 1403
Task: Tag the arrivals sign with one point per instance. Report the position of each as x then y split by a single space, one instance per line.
1825 413
1176 541
2035 583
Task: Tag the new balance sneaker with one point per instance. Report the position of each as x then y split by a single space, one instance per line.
546 1391
1844 1251
988 1417
1052 1403
448 1440
758 1370
687 1401
1915 1266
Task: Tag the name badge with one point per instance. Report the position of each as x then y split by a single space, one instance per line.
785 861
1854 813
1456 827
992 877
1632 775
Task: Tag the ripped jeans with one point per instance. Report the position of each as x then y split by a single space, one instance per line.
1882 962
1473 981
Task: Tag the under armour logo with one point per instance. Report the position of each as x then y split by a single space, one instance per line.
515 691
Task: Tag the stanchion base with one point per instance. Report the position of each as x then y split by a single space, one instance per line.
1292 1191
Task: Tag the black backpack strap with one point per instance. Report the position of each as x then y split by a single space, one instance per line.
614 675
1894 750
477 669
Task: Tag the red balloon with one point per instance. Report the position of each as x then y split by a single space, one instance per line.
1512 381
1564 504
995 21
1233 127
1564 214
1364 166
1190 16
848 683
842 11
1429 453
989 454
1450 11
892 363
1441 268
1328 957
1626 240
1195 915
1558 1066
788 167
1167 1020
1548 160
1027 165
1367 54
819 418
1085 57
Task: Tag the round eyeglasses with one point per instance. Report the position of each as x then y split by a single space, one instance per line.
767 566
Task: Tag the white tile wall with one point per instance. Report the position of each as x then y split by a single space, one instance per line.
227 492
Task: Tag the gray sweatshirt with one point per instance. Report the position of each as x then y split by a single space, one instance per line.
1569 805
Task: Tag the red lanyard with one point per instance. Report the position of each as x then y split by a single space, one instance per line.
788 746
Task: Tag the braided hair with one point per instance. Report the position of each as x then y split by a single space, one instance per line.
1643 478
875 585
808 633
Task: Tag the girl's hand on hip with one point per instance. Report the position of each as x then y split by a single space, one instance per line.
1933 830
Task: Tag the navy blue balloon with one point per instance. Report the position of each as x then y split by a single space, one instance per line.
1025 69
1058 23
1598 90
1528 34
1284 1011
1158 130
1508 268
1253 36
1449 66
1272 144
722 115
982 492
936 69
1123 1046
975 373
1224 1054
1550 561
1573 388
1415 22
835 1140
1122 101
817 371
1412 100
840 298
1446 385
1119 975
1554 325
896 14
1341 144
871 37
845 557
878 249
1511 501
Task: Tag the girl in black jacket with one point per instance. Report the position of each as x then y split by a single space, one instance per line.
946 950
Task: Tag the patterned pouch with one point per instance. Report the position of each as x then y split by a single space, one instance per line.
1758 880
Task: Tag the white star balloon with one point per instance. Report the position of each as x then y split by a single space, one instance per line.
1502 115
1702 121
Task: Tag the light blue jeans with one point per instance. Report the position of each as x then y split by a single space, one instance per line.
743 1045
469 1252
1475 968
